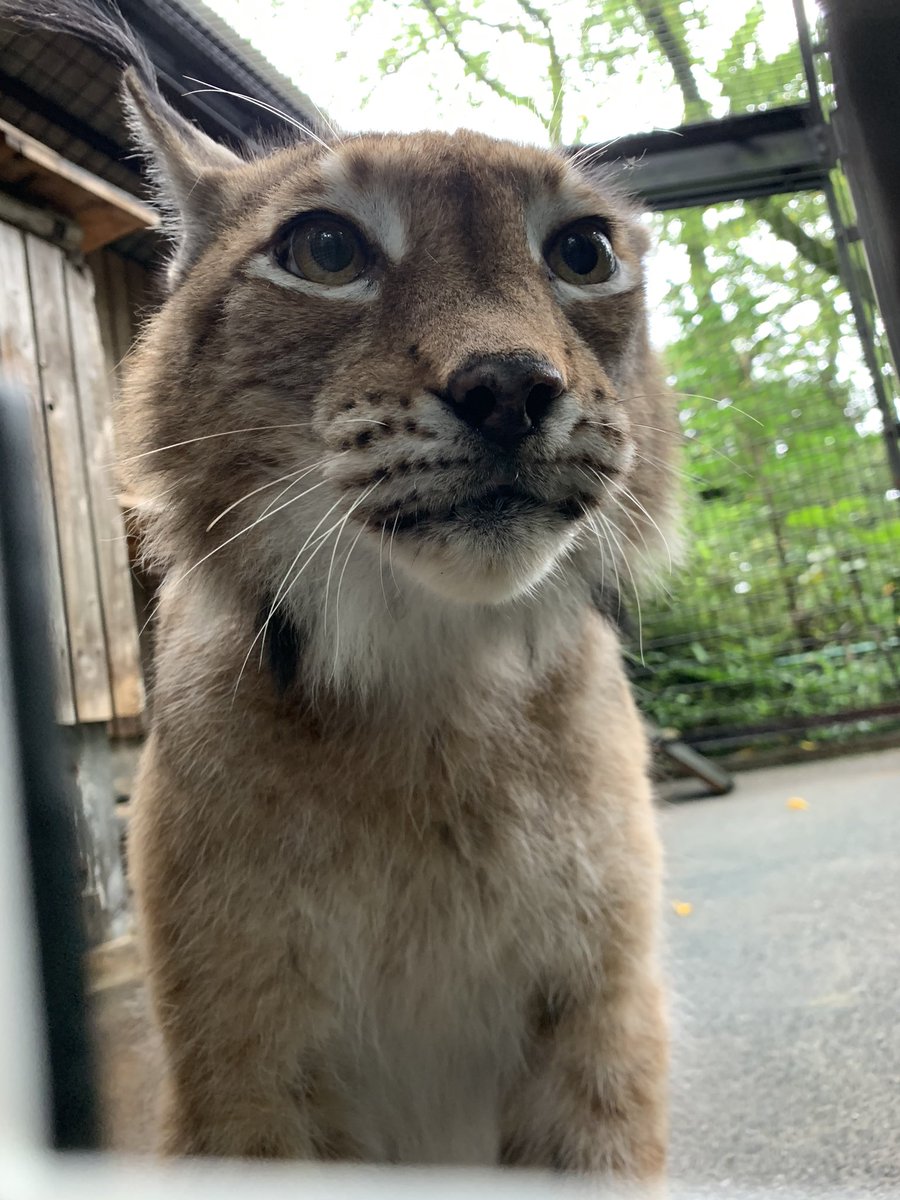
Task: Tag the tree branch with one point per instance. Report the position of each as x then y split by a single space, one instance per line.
536 14
526 35
674 47
555 71
472 66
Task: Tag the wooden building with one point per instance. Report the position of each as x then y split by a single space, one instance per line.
79 250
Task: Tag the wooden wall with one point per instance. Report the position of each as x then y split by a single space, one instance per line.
54 345
124 292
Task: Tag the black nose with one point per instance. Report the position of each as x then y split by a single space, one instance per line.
505 397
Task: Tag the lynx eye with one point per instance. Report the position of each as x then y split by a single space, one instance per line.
323 249
582 253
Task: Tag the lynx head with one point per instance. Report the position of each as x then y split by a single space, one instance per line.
422 356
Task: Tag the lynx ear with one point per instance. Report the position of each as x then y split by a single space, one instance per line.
191 172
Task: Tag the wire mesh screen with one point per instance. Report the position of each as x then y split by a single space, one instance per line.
790 600
725 58
74 78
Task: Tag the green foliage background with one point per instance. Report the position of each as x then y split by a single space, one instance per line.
789 604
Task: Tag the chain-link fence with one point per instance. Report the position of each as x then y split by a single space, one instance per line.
788 609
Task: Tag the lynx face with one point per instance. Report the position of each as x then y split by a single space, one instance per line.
436 349
475 303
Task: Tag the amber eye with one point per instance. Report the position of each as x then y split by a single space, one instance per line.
323 249
582 253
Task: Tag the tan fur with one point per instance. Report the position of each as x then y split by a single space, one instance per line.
404 910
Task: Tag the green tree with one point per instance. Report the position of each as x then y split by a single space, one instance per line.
791 602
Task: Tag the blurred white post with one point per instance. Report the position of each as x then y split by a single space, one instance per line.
23 1118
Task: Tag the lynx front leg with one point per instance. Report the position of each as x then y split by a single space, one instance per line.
237 1083
592 1098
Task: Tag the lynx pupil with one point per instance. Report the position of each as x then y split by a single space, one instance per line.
332 249
579 253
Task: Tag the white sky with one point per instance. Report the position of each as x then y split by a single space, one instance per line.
312 42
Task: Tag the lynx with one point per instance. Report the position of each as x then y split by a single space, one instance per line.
399 425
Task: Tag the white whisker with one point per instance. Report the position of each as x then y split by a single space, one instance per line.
637 599
337 542
337 600
290 487
261 632
696 396
381 568
246 529
284 587
725 408
634 500
269 108
262 488
622 508
686 441
336 134
667 466
205 437
586 154
601 538
391 551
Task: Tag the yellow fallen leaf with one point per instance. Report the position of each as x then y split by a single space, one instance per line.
798 804
682 908
807 745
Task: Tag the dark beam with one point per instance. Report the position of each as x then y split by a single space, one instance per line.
764 166
760 154
737 127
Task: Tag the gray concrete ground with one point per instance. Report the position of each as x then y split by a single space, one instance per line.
785 982
786 979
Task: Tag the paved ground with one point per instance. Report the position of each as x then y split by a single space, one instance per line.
787 978
786 981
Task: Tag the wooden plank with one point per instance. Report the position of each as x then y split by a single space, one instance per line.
119 312
84 615
95 400
139 282
124 293
18 360
46 224
97 263
104 212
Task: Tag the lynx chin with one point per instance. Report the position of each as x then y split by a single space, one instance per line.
394 851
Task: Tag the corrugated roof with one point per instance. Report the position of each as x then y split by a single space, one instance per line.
296 102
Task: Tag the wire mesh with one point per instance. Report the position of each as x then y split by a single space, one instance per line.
75 78
789 606
725 58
